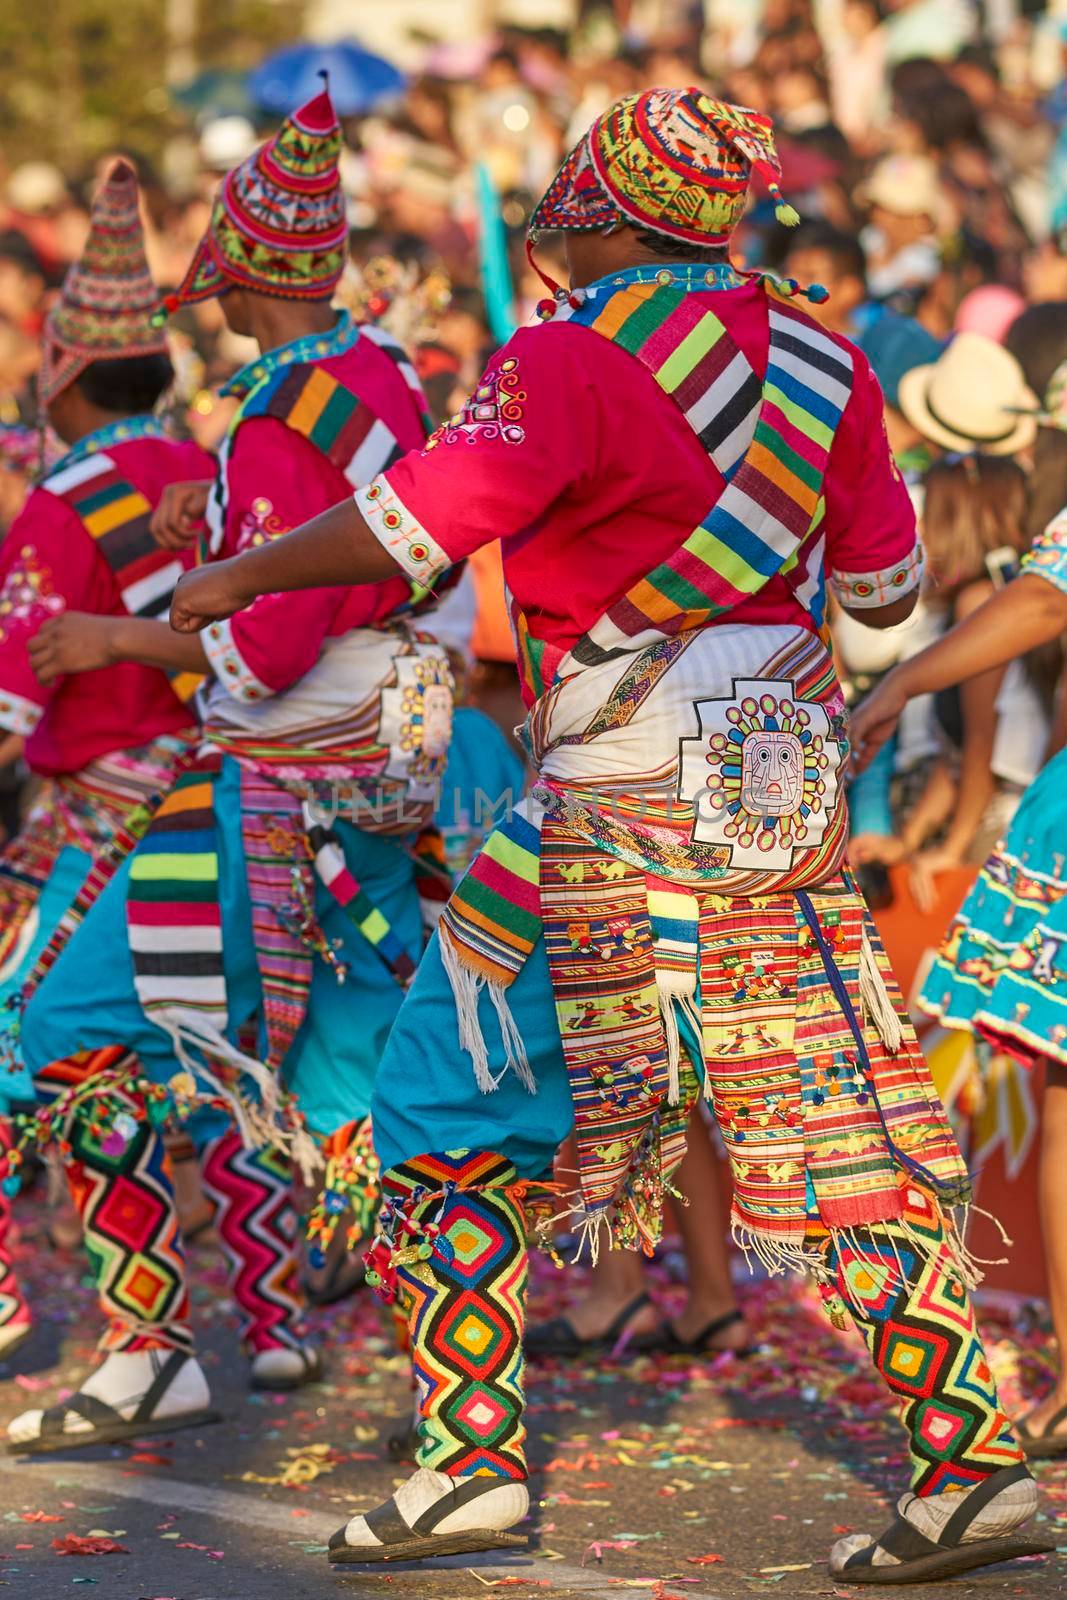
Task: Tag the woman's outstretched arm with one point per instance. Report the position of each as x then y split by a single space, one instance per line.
1028 613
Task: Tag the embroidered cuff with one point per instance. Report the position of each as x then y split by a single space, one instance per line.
860 591
1047 557
397 531
231 668
19 715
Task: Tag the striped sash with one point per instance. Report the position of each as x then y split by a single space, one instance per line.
771 442
116 516
330 416
172 905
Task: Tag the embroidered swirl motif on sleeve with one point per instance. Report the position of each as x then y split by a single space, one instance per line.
260 524
494 411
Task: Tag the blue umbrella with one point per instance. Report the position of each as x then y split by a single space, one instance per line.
358 79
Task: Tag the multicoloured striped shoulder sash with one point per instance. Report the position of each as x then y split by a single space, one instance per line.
334 418
116 516
770 440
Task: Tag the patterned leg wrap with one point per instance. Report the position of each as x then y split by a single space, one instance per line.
905 1295
253 1194
453 1231
14 1312
124 1195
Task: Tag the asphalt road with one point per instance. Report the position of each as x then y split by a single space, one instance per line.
686 1483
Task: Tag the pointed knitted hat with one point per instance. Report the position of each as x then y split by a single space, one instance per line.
278 224
672 160
108 300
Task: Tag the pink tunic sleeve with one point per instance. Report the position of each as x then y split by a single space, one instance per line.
495 469
275 480
48 566
872 544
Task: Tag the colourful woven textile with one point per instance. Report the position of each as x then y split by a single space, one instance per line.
598 937
772 443
908 1300
1002 968
330 865
278 225
252 1191
673 160
810 1116
278 870
494 916
108 300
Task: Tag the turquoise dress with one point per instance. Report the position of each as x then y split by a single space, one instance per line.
1002 970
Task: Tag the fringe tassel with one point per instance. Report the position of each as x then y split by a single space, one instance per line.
969 1210
466 987
674 1049
258 1124
589 1232
515 1057
874 999
777 1256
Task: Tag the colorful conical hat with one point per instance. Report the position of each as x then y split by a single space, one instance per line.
672 160
278 225
108 302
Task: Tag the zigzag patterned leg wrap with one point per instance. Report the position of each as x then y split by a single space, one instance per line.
456 1237
253 1195
14 1312
907 1299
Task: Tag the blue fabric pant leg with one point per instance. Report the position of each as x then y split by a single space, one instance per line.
335 1057
426 1099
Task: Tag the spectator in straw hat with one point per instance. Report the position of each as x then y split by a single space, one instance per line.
973 398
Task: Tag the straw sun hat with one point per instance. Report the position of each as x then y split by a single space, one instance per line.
973 397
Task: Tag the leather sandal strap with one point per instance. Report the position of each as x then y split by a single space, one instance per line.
387 1524
903 1540
94 1411
719 1325
162 1381
1053 1422
977 1499
615 1329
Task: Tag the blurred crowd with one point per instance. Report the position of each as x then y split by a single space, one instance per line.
924 143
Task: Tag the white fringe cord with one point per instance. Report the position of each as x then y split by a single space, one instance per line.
874 999
466 986
258 1124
